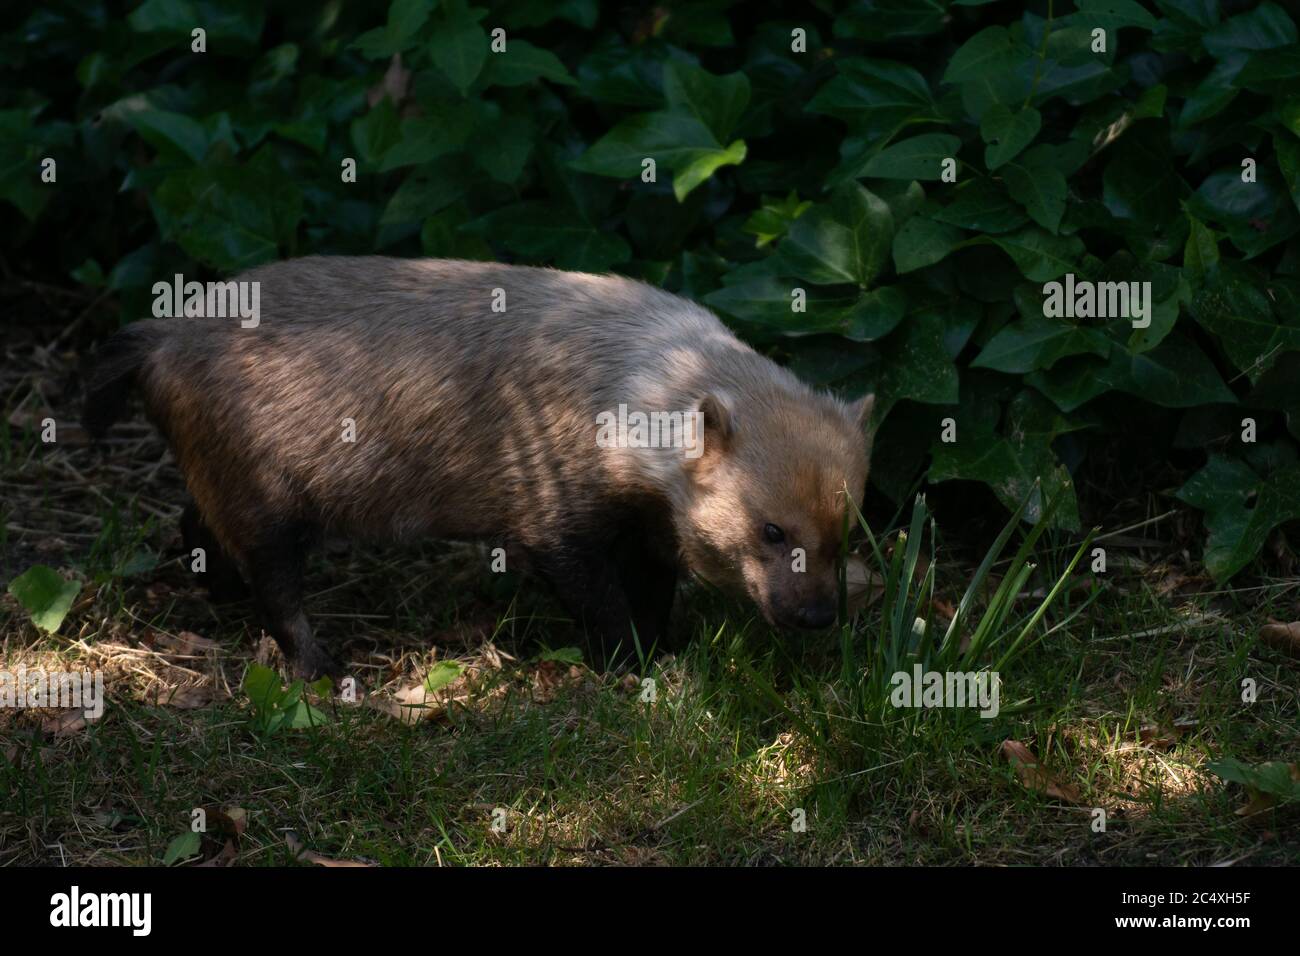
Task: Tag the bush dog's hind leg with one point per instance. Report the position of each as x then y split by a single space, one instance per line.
221 573
275 565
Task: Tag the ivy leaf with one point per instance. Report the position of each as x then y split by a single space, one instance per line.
1201 253
1232 305
1037 342
378 131
405 18
1175 374
1008 133
772 220
45 596
987 52
545 231
425 191
875 314
171 133
1039 255
919 158
679 141
877 20
459 46
1288 160
1040 187
1267 27
229 217
845 240
983 205
523 63
1115 14
441 674
1256 216
1240 510
874 95
716 101
183 847
915 365
1014 464
768 303
1137 183
698 165
922 242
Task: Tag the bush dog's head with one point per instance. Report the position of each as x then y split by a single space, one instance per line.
767 499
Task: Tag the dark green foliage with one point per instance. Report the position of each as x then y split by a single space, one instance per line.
777 170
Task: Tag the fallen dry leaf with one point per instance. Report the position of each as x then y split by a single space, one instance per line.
184 644
187 696
550 677
1283 637
394 84
225 858
64 723
944 609
1033 776
239 817
1162 737
863 585
300 852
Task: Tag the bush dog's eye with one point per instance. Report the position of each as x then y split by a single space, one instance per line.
773 534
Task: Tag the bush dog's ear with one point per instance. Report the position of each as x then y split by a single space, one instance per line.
714 426
861 411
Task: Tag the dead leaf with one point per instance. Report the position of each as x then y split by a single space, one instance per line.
943 609
1259 802
225 858
1283 637
863 585
64 723
188 696
311 856
415 703
184 644
1032 774
238 816
1163 737
394 84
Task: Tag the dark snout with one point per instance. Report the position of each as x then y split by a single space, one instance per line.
812 616
816 616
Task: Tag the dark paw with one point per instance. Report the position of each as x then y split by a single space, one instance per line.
313 663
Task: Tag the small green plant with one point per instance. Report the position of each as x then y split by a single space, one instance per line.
441 674
278 708
1275 779
907 634
185 846
45 596
561 655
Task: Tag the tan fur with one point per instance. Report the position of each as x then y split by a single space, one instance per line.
473 423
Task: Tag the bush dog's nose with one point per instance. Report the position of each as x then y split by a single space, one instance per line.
816 615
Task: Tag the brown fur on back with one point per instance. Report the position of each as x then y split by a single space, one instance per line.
471 422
